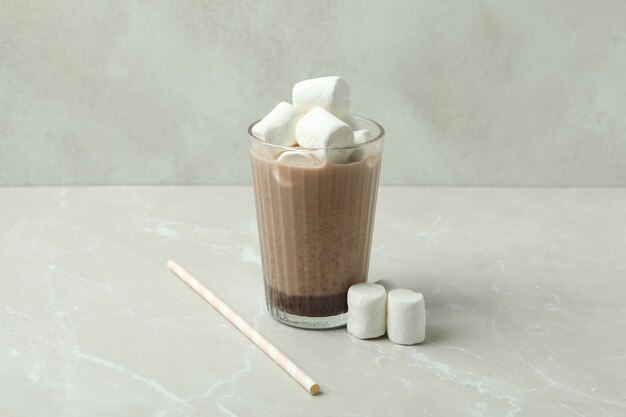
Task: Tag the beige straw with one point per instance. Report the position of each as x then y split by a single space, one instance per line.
270 350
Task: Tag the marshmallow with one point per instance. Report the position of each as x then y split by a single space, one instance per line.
362 136
366 310
388 284
336 155
279 126
320 129
330 93
406 317
297 158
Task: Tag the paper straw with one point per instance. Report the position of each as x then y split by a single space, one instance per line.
270 350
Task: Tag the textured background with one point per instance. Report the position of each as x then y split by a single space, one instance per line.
478 93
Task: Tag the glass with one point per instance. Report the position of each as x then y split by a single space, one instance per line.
315 219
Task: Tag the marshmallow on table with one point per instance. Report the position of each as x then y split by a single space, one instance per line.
406 317
366 310
388 284
330 93
279 126
320 129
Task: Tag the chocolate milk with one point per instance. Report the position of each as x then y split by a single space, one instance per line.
315 227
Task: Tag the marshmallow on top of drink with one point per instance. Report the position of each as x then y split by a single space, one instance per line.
319 119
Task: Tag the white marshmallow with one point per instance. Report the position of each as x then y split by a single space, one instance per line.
362 136
406 317
366 310
297 158
330 93
279 126
388 284
338 156
288 159
320 129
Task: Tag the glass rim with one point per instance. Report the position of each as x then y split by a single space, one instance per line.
378 138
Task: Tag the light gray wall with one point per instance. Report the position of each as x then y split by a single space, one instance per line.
145 92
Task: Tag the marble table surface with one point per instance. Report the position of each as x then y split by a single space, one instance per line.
525 293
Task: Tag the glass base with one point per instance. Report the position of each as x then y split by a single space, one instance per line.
306 322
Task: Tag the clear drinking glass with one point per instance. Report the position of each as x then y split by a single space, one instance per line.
315 219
